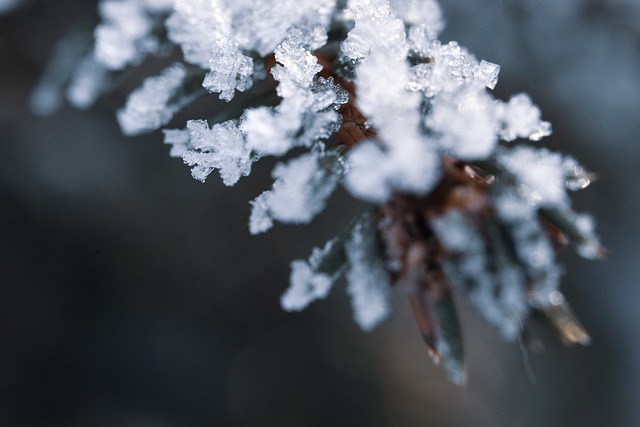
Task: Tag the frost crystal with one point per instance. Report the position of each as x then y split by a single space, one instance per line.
307 112
367 277
300 192
521 119
197 26
540 172
222 147
125 35
494 285
153 104
229 70
369 98
312 280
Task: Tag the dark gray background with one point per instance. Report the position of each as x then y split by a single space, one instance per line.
132 295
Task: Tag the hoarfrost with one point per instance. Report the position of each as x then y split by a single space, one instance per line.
308 283
179 140
492 281
520 118
367 277
401 159
308 111
125 35
222 147
464 123
300 192
306 287
260 219
376 28
229 70
153 104
197 26
425 13
261 26
531 244
540 174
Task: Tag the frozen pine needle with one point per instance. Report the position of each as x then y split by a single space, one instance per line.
372 100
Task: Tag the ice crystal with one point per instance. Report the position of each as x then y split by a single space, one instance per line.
370 99
521 119
312 280
126 33
301 189
367 276
229 70
220 147
155 103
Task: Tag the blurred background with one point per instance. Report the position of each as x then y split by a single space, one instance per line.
132 295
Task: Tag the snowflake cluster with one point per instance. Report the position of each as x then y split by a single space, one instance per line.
421 101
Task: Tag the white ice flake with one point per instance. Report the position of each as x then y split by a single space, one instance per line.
308 111
520 118
312 279
125 34
300 191
487 72
261 219
416 100
229 70
405 160
540 173
495 285
367 277
179 140
197 26
221 147
464 123
376 27
152 105
262 25
306 287
425 13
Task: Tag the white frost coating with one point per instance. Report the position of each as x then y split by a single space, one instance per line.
197 27
450 66
125 35
520 118
306 287
487 73
222 147
531 244
376 28
590 246
407 160
260 219
307 284
300 192
425 13
229 70
149 107
367 277
305 187
263 25
179 140
308 111
465 123
496 288
540 172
